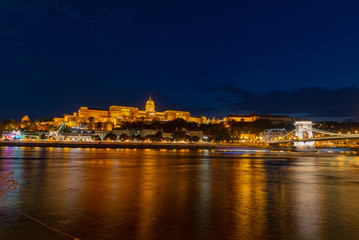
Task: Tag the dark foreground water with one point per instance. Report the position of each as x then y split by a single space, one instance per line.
165 194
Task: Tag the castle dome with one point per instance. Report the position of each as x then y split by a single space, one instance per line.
150 106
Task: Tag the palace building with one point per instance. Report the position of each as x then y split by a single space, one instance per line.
118 114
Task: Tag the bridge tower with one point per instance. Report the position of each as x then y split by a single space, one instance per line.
303 130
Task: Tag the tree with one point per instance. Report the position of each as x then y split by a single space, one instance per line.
124 137
25 125
42 136
109 126
151 138
96 138
110 137
9 124
90 126
195 139
158 136
99 125
91 119
179 135
136 138
34 127
66 129
222 134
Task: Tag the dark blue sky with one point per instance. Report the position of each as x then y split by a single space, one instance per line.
211 58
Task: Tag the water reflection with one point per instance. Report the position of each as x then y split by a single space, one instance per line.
165 194
307 201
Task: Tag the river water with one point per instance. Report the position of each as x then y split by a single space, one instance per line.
178 194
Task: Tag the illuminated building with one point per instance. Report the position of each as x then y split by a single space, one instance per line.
274 119
150 109
172 115
118 114
248 137
241 118
123 112
91 112
25 119
269 135
198 119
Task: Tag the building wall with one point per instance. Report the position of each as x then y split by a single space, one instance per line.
172 115
241 118
248 137
120 132
117 114
269 135
96 113
274 119
196 133
160 116
57 120
71 136
123 112
146 132
198 119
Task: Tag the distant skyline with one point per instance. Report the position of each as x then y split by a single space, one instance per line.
206 57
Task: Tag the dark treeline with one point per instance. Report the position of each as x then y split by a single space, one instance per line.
216 131
169 126
336 127
234 127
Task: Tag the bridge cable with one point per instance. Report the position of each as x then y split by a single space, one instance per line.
284 136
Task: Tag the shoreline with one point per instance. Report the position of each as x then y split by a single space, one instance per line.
109 145
189 146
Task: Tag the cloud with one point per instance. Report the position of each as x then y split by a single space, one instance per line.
315 102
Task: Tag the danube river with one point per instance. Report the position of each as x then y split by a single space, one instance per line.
178 194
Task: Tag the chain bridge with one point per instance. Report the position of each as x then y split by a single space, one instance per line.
305 135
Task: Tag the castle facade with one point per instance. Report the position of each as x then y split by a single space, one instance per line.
118 114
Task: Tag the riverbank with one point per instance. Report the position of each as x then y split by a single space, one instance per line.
108 145
210 146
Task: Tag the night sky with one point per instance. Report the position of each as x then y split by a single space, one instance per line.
211 58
